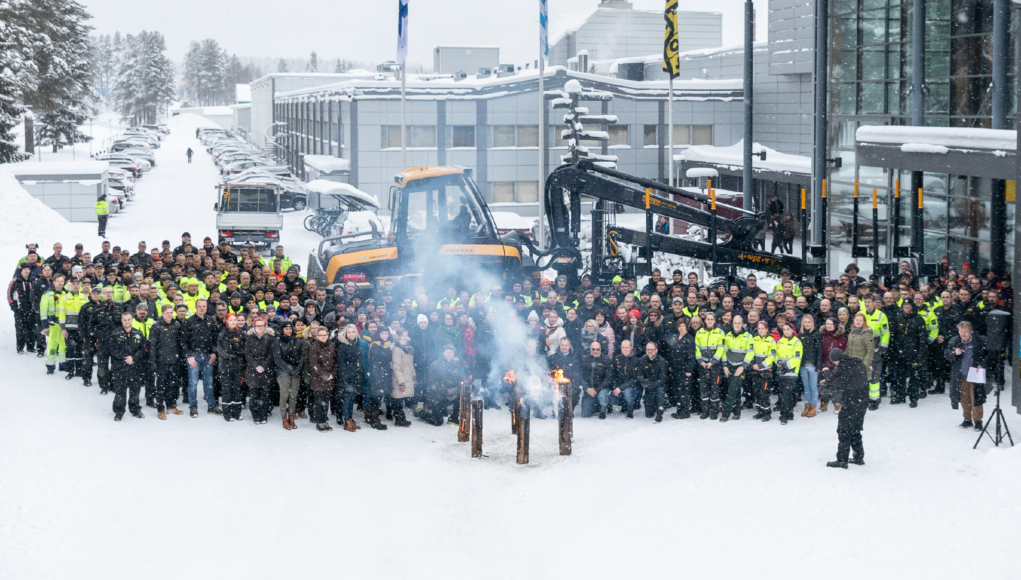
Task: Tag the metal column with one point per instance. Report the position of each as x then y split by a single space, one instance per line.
998 208
747 181
819 163
917 114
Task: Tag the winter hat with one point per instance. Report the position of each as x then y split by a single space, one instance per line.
634 312
422 318
448 346
617 279
76 270
837 355
532 316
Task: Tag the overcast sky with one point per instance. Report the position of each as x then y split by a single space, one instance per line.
366 29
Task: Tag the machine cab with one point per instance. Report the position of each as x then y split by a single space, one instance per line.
439 205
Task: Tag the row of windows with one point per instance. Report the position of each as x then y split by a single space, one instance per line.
515 191
528 136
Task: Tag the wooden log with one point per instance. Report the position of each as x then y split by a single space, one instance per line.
476 428
523 413
566 418
464 412
514 412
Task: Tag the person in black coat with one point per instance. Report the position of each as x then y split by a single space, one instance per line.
350 376
625 377
127 346
652 375
680 355
164 360
965 351
19 297
445 376
230 349
597 376
850 378
289 358
566 360
912 347
258 367
380 377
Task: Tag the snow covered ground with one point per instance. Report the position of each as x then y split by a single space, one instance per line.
84 497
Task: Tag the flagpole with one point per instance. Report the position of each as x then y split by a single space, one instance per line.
404 126
670 121
543 51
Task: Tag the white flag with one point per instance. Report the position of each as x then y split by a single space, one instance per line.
402 31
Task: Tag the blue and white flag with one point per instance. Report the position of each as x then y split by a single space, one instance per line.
543 30
402 31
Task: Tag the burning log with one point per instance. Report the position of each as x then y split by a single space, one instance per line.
565 413
476 407
464 410
509 378
522 419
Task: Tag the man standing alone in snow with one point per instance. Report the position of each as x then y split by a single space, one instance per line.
850 380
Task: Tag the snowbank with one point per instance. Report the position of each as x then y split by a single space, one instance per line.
734 155
57 168
324 187
21 223
327 163
959 137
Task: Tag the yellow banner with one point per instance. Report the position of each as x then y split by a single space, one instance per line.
670 42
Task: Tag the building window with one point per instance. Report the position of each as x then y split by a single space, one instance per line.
701 134
391 136
503 136
503 191
682 135
515 191
528 191
559 135
528 136
422 136
649 135
463 136
618 135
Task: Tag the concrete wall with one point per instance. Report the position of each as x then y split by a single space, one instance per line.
791 36
74 200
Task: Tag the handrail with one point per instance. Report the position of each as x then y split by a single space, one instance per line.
375 235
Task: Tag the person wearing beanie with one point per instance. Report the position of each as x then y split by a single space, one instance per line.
289 357
851 380
165 361
445 376
230 354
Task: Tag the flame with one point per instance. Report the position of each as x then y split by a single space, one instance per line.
558 376
509 377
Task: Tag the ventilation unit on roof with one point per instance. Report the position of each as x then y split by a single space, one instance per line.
505 70
460 75
485 72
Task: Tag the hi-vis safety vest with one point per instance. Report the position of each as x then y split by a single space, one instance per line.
102 208
789 350
739 349
764 351
880 326
709 345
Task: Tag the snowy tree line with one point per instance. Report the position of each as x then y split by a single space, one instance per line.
135 73
210 74
44 67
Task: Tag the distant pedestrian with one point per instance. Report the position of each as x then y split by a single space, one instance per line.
663 226
102 213
190 152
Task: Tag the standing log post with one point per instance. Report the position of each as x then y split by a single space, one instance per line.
566 417
476 407
464 411
523 418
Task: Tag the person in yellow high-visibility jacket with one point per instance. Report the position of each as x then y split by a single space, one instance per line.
709 349
739 353
788 365
102 214
761 371
50 313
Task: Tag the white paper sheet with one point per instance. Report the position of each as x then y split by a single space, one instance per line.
976 375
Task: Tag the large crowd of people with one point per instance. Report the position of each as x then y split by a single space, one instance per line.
258 336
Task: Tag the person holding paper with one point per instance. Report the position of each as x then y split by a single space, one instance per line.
967 354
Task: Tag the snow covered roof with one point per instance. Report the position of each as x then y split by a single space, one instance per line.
932 139
431 87
327 163
324 187
734 155
35 168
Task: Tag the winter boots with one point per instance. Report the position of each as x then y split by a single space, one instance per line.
811 411
823 406
840 464
349 425
680 415
161 416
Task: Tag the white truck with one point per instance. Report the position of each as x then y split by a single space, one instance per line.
248 213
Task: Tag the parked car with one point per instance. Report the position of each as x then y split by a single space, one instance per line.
293 194
239 166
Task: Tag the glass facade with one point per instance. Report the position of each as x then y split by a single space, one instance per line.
870 64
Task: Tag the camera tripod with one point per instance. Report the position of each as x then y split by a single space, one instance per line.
998 415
